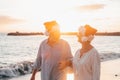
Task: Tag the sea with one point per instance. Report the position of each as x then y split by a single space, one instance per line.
17 53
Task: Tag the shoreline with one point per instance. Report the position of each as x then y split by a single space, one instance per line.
109 71
62 33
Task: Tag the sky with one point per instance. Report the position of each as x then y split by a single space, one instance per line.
29 15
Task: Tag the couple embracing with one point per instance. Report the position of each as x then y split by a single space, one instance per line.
54 55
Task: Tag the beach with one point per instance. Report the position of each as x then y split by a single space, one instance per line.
110 70
16 61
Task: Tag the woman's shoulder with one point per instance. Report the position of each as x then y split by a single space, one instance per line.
95 51
77 52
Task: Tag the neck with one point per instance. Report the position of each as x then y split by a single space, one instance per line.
52 42
86 45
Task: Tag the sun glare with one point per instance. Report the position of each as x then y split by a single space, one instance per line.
70 76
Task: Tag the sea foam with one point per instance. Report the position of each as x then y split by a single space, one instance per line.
16 69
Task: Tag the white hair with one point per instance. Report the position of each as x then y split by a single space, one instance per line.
53 29
84 38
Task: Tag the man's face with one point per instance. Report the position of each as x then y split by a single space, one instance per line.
54 35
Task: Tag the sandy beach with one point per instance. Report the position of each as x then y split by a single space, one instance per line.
110 70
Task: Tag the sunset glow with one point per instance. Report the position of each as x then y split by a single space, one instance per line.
29 15
70 77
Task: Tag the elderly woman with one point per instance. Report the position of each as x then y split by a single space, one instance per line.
86 62
51 52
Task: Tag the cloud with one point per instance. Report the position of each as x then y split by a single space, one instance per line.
5 20
91 7
101 19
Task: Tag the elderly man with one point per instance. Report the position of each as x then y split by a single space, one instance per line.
51 53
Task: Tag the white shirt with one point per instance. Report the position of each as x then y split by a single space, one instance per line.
48 59
87 67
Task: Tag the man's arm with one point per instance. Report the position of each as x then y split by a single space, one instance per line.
33 74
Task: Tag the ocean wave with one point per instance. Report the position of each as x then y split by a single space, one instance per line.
26 67
14 70
109 56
